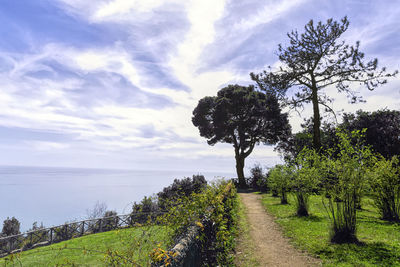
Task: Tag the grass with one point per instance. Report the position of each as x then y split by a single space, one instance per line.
91 250
244 247
380 239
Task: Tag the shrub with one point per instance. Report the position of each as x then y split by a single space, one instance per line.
145 211
214 211
385 185
280 181
180 188
258 180
305 178
110 221
347 172
10 227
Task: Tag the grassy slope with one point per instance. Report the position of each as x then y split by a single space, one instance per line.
382 239
91 250
244 247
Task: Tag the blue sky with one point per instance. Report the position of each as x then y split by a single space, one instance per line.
112 83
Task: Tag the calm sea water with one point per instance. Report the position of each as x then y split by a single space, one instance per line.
56 195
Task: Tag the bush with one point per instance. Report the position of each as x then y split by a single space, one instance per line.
306 178
385 188
214 211
145 211
280 181
10 227
110 221
258 180
180 188
347 171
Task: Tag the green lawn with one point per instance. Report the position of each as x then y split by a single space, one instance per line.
91 250
381 239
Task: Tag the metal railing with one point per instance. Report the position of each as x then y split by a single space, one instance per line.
46 236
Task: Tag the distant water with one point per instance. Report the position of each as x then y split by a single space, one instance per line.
56 195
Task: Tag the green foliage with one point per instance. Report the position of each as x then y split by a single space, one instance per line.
241 116
180 188
258 180
380 239
214 211
145 211
345 180
383 129
126 247
280 180
385 187
306 178
382 134
10 227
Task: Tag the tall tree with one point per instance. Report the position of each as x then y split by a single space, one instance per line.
315 60
241 116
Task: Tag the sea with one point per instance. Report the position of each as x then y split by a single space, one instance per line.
53 196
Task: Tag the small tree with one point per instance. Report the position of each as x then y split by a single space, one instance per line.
385 188
347 177
10 227
241 116
306 178
258 179
280 179
98 211
315 60
146 211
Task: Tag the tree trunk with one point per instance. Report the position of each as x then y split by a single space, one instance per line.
316 121
239 170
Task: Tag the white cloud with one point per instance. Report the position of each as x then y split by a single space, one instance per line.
269 12
109 124
118 7
46 146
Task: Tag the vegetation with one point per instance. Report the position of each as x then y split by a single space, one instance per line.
379 240
130 246
258 179
383 129
385 188
382 133
306 179
179 188
214 211
10 227
347 181
280 181
315 60
241 116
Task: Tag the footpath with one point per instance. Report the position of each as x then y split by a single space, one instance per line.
271 248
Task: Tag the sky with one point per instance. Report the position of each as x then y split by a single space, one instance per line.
113 83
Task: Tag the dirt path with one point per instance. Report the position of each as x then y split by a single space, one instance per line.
271 248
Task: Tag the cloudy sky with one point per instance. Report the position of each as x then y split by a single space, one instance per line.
112 83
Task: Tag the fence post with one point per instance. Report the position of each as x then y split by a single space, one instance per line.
83 228
51 235
65 231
